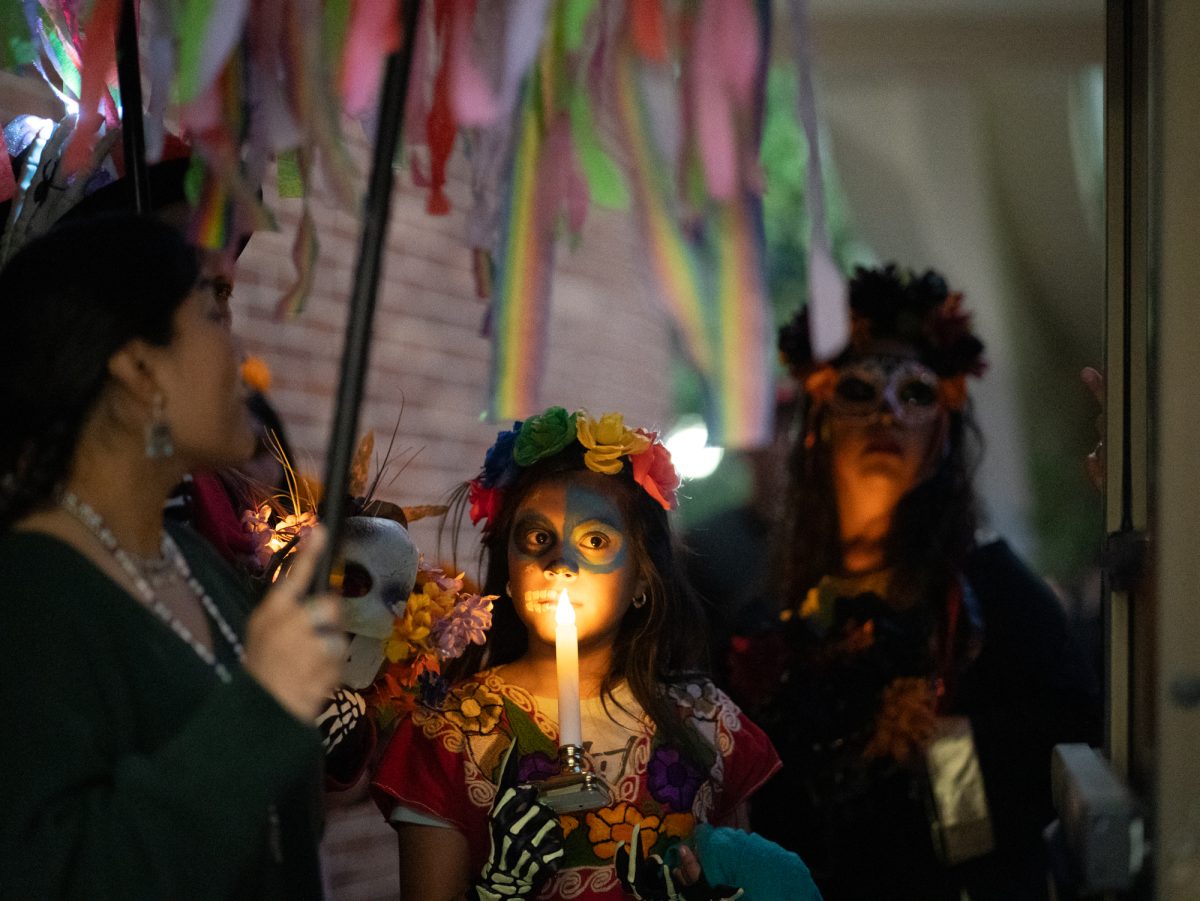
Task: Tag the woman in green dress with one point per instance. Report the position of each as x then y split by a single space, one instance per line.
158 738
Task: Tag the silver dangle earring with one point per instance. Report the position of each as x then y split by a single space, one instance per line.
640 601
508 588
159 445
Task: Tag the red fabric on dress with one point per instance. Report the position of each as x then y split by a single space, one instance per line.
442 763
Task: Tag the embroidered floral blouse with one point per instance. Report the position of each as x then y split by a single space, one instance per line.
441 768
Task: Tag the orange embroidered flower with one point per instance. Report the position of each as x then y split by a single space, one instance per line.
678 825
473 708
569 824
905 722
611 827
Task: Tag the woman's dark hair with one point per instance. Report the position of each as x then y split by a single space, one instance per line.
932 530
69 300
657 643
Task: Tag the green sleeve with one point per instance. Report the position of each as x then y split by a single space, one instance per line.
101 799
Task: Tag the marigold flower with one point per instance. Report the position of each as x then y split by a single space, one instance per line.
256 374
611 827
607 440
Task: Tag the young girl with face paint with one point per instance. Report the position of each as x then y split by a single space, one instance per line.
580 504
913 646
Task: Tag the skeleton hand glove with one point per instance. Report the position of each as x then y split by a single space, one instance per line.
344 714
347 736
527 843
650 879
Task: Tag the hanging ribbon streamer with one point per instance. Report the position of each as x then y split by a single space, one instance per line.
828 301
97 62
374 33
548 187
440 128
741 393
46 26
520 316
723 65
305 250
208 33
675 267
710 278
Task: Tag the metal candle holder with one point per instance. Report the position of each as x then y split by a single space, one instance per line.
574 789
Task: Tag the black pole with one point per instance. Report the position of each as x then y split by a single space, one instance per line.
356 352
133 135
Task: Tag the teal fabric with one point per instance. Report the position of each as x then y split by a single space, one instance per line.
747 861
129 770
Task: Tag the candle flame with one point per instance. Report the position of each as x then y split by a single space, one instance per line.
564 615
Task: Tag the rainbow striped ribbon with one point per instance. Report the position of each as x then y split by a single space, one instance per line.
712 283
520 317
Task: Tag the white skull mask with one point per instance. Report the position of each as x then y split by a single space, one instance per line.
380 569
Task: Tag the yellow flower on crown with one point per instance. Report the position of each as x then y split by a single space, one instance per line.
608 440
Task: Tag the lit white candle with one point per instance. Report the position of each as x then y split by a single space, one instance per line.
566 650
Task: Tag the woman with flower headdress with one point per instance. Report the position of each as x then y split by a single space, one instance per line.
569 501
928 673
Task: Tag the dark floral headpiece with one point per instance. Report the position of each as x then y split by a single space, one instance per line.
896 303
607 444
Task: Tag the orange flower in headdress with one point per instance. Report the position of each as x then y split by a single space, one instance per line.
256 374
819 385
952 392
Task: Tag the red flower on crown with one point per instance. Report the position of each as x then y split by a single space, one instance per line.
654 471
485 502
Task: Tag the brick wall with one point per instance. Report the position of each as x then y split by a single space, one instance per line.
608 351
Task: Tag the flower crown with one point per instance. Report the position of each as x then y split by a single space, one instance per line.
606 441
896 303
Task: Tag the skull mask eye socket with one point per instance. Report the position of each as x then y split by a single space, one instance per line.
356 581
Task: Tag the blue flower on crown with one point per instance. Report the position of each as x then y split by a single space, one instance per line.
499 467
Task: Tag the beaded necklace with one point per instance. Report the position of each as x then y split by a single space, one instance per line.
174 557
171 554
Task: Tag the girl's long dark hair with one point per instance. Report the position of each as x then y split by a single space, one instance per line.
932 531
69 300
657 643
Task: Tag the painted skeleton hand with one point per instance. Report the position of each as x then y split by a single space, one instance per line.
527 843
344 714
650 879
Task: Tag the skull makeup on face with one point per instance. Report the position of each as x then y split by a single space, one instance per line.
380 569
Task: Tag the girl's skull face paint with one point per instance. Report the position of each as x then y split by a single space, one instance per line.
570 533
